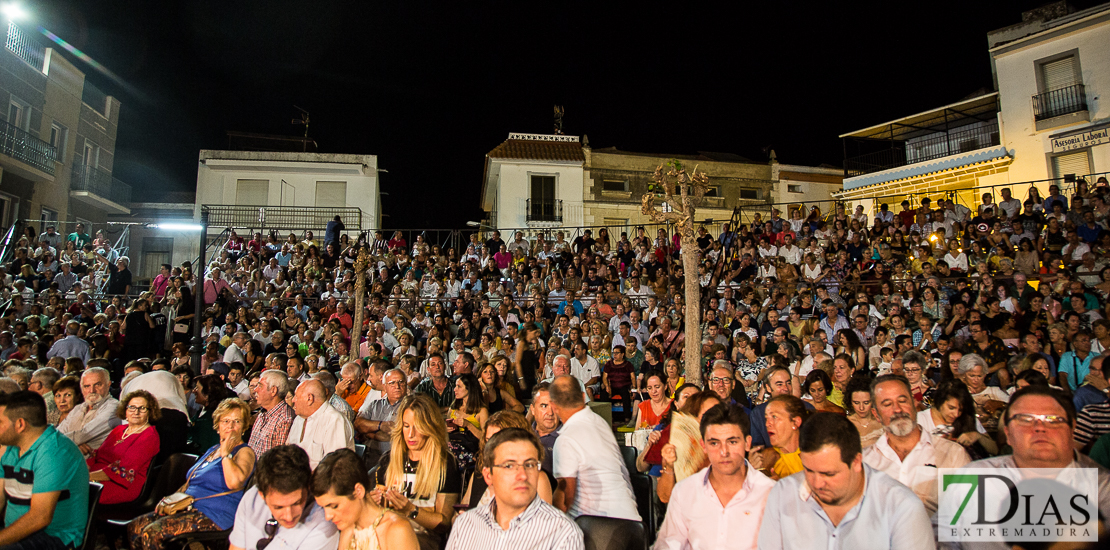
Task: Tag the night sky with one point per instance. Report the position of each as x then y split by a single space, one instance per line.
430 87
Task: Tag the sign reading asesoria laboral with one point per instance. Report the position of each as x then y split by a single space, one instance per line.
1079 140
1017 504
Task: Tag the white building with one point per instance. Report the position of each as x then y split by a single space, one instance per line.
1044 123
534 181
310 180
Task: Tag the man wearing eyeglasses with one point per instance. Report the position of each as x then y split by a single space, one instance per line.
375 420
1038 424
278 512
516 517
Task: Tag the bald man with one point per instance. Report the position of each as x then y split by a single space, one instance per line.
318 429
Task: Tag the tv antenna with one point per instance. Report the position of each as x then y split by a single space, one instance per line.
305 119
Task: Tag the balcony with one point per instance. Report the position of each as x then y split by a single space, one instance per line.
550 210
899 153
1070 100
24 48
96 187
30 150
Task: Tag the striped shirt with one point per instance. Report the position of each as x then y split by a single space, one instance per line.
1092 422
540 526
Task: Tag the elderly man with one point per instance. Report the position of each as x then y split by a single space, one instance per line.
352 386
562 365
238 348
71 346
375 422
721 505
437 385
516 517
89 423
318 429
282 495
1038 424
329 381
837 501
592 477
906 452
271 426
42 383
545 422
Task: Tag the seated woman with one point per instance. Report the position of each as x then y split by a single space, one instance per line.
123 461
216 482
952 416
859 396
650 413
418 477
341 485
477 492
466 420
210 392
67 395
785 414
817 386
173 426
494 393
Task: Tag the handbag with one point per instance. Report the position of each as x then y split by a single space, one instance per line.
181 501
181 328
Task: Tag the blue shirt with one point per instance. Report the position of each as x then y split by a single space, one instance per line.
758 418
1076 369
1087 395
576 306
888 515
53 463
207 478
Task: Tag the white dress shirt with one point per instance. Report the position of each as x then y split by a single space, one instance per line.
696 520
86 425
584 371
919 469
587 451
326 430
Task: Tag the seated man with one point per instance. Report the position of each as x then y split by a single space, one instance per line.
45 479
281 495
89 423
516 517
375 422
318 429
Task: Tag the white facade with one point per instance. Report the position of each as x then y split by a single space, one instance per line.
523 164
252 178
1027 59
805 184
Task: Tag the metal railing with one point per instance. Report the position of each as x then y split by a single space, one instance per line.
284 218
942 144
24 48
1062 101
22 146
101 183
544 210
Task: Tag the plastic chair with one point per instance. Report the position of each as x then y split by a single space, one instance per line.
360 450
170 478
629 454
645 503
603 533
89 540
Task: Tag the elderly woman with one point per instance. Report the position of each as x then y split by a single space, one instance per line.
989 400
122 462
67 395
216 483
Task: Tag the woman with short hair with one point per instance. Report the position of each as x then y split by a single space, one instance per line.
341 486
122 462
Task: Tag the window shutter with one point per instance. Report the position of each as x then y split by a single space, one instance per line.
331 193
252 192
1058 74
1071 163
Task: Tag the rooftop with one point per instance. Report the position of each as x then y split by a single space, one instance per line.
702 155
539 147
1040 20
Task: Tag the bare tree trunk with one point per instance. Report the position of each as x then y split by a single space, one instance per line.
692 354
361 264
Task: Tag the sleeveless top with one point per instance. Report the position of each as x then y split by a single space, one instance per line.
366 539
529 362
472 418
497 404
207 478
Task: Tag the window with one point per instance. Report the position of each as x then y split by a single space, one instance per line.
1060 89
331 193
7 210
614 185
91 155
750 194
58 135
1074 162
252 192
18 113
48 216
542 205
156 251
794 188
1058 74
713 191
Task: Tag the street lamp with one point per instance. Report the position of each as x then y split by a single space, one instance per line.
13 12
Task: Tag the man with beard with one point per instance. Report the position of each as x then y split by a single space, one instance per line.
906 452
837 501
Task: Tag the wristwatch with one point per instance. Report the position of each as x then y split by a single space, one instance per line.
415 512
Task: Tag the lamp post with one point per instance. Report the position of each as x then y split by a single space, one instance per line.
198 305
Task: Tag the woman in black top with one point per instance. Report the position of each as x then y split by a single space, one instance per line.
527 358
138 328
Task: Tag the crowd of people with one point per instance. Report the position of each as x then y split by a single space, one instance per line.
846 357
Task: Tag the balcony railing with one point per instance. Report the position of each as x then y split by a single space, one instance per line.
943 144
545 210
24 48
1062 101
24 147
101 183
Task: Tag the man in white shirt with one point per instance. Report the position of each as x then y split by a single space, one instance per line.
238 382
234 352
89 423
1009 204
318 429
583 367
592 478
789 252
906 452
721 506
641 330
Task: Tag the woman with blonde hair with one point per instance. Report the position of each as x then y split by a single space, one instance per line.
418 477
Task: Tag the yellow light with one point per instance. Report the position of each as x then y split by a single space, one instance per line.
959 250
933 238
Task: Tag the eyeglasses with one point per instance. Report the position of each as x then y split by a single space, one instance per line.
915 371
271 530
1049 420
530 466
136 408
718 380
